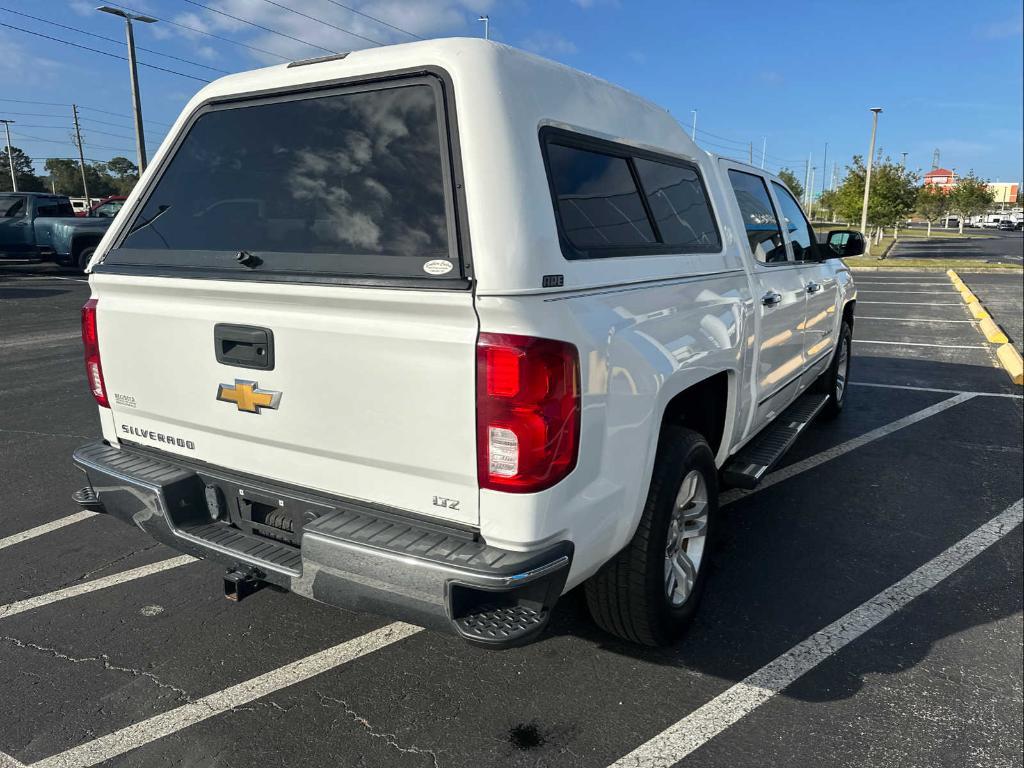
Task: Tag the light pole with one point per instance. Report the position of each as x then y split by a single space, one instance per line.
140 137
693 131
10 154
867 178
487 26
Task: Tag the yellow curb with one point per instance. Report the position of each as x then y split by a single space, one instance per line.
978 311
967 296
992 331
1011 360
952 274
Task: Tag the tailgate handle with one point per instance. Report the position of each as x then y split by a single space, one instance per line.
244 346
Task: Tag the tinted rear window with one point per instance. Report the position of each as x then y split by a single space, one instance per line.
352 183
614 200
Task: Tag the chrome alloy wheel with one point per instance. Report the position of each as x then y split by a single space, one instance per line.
687 533
842 369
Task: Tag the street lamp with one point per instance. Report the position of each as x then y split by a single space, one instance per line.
693 130
487 26
867 179
140 138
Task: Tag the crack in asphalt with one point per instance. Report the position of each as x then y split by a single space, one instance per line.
103 659
389 738
109 563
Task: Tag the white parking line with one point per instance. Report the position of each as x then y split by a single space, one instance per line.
142 733
703 724
11 609
948 292
915 303
39 530
934 389
920 344
818 459
911 319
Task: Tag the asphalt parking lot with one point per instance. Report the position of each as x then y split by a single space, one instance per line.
984 245
864 608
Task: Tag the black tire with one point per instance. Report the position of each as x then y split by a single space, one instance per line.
627 597
828 382
82 259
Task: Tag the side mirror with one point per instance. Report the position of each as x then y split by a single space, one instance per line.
846 242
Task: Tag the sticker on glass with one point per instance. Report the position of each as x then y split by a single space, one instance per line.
438 267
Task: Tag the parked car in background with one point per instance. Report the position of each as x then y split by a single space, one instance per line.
39 225
1006 225
107 207
510 346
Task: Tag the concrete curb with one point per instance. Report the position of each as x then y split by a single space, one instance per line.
1011 360
1007 354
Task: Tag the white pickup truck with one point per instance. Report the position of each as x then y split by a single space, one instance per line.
444 330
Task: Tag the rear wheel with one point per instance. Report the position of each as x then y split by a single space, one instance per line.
649 592
84 255
836 378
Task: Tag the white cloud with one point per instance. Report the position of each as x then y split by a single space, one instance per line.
303 37
548 43
1002 29
13 55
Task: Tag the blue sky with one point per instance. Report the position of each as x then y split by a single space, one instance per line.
949 75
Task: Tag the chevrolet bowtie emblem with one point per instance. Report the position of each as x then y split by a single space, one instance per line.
248 396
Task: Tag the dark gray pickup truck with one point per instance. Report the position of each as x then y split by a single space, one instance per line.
37 225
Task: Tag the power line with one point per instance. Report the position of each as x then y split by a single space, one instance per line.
374 18
91 109
325 23
115 41
66 128
258 26
26 137
743 144
208 34
97 50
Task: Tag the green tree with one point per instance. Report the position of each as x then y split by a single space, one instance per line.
970 197
893 193
27 179
828 200
792 182
125 174
932 204
67 178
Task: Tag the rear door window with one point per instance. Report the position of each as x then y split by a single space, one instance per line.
12 206
678 203
349 183
764 234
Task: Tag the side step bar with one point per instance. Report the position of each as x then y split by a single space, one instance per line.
747 468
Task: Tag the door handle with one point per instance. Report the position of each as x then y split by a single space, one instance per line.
244 346
771 298
813 287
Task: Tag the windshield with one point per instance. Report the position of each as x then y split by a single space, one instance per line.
12 206
108 210
351 183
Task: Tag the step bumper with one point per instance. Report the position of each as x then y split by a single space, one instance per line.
350 554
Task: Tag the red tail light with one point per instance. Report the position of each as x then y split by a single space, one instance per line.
528 412
91 342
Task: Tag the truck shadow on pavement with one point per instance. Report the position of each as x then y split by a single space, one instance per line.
795 557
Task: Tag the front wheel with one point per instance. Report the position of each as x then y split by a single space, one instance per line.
649 592
835 381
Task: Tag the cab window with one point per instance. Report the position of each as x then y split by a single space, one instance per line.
764 234
800 233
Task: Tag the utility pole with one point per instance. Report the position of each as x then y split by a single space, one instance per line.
867 179
81 155
693 130
140 136
807 177
935 159
903 163
764 149
750 153
487 26
810 193
10 154
824 168
835 177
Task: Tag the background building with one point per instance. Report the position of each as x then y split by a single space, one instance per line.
940 177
